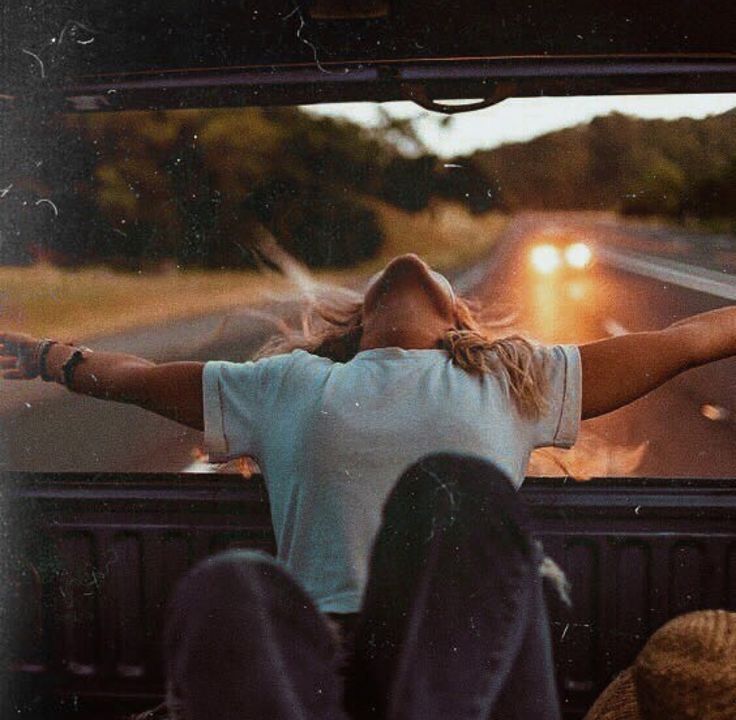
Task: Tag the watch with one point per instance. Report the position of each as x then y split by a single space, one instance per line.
79 354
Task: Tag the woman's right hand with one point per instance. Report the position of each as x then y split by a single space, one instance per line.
18 356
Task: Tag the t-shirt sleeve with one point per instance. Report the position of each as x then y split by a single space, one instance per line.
237 400
560 424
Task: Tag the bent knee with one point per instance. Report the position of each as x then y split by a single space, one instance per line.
456 485
464 472
223 573
236 558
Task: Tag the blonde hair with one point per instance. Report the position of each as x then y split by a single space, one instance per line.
333 329
515 358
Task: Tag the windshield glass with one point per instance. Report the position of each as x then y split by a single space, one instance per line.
199 234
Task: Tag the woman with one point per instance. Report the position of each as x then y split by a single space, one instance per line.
439 566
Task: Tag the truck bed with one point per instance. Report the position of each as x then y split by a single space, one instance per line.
92 559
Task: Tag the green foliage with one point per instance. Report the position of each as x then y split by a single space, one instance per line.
198 186
656 187
322 229
465 183
408 182
713 196
140 188
676 168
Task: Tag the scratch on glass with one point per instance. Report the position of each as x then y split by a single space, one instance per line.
49 202
37 58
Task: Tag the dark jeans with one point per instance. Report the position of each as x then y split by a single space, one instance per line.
453 623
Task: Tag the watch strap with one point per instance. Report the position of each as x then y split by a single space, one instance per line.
71 363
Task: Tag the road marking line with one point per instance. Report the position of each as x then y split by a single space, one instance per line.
614 328
670 271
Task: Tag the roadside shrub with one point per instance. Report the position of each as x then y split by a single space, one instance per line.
320 225
408 183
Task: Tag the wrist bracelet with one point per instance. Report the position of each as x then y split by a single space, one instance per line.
43 352
71 363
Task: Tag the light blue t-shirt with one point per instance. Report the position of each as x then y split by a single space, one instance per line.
333 438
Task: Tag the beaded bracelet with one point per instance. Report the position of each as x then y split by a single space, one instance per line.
43 352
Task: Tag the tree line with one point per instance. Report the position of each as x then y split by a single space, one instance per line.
198 187
679 169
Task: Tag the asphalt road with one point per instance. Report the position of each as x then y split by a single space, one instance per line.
686 428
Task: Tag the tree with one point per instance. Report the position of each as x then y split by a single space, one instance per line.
655 188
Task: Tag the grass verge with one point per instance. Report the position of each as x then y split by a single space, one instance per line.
75 304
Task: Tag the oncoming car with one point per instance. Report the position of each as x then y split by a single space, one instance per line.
555 252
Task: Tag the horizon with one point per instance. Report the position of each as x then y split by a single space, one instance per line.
519 119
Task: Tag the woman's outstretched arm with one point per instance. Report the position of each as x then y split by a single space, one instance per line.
619 370
173 390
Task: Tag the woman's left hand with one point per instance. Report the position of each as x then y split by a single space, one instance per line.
18 356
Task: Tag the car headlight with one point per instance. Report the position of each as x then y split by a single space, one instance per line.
578 255
545 259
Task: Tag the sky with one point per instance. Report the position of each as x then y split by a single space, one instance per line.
520 119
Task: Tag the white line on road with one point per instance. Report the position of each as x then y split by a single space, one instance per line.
670 271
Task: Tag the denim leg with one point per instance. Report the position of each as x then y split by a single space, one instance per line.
451 598
244 642
530 691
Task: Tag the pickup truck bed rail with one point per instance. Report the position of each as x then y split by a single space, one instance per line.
93 559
